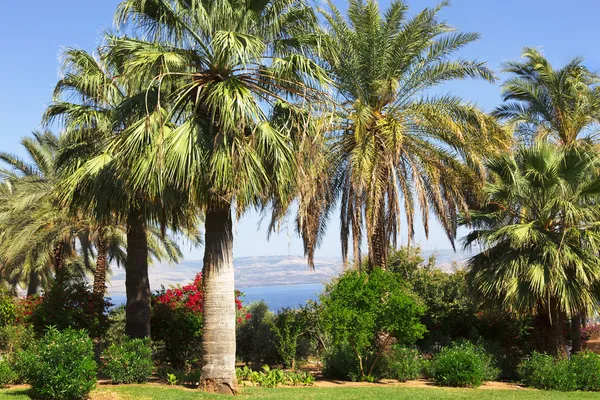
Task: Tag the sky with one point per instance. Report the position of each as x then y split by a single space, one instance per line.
33 33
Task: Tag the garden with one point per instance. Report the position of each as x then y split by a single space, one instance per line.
191 113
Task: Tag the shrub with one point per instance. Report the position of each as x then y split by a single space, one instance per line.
60 366
129 362
340 363
403 364
462 365
586 367
255 338
16 337
288 326
359 308
176 322
72 305
7 374
268 377
7 308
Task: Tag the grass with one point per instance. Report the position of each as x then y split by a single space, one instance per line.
151 392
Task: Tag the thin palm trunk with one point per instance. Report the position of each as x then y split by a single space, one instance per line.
218 331
100 271
576 332
34 283
59 263
137 284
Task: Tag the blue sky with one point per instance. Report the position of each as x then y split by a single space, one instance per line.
33 33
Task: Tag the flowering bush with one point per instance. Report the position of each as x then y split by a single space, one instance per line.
591 332
177 322
24 308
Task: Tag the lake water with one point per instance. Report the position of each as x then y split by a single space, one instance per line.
276 297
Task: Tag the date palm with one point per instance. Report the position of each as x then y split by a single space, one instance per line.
224 63
396 147
539 236
541 102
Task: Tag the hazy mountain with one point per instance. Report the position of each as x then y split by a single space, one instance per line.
262 271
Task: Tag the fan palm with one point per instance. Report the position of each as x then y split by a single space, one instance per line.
224 62
94 105
540 236
394 145
541 102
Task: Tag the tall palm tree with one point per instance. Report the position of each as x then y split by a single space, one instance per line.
395 145
541 102
539 236
225 63
94 105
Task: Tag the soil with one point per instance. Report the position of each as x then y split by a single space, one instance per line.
421 383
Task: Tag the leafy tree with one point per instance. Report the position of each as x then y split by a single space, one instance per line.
539 235
541 102
393 144
363 310
219 66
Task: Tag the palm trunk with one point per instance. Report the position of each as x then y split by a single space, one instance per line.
379 242
100 272
59 264
576 332
219 312
33 285
137 284
550 335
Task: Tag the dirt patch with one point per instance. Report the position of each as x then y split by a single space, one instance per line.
421 383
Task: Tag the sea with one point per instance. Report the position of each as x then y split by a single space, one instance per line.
277 297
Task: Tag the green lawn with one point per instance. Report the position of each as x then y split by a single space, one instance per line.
346 393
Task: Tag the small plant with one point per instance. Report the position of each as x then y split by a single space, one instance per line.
7 374
172 379
271 378
462 365
404 364
60 366
542 371
129 361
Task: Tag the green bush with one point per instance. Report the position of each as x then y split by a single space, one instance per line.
462 365
255 337
586 366
7 308
288 326
129 361
60 366
7 374
115 333
340 363
14 338
403 364
359 308
543 371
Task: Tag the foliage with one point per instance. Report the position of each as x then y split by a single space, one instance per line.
538 232
115 333
8 312
255 337
340 362
129 361
71 305
393 148
8 376
543 371
591 332
271 378
462 365
60 366
586 367
561 105
14 338
288 325
359 309
24 308
177 321
402 363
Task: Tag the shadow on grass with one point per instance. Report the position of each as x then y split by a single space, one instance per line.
20 392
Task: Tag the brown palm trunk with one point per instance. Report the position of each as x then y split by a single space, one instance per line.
550 332
137 284
379 242
100 272
218 331
576 332
59 264
33 285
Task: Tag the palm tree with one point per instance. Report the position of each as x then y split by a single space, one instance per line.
225 63
38 236
395 146
539 237
94 105
561 105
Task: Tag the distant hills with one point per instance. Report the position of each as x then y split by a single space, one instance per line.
261 271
